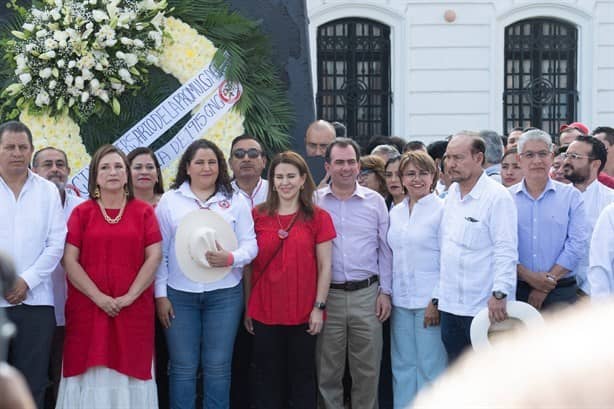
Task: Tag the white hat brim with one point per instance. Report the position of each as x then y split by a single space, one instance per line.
515 309
224 234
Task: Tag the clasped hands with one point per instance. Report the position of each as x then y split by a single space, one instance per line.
112 306
541 283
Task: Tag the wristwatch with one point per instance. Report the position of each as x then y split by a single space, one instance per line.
320 305
499 295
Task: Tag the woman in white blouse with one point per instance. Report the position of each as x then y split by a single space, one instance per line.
418 355
201 319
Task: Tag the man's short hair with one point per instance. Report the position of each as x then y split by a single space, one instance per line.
48 148
535 135
15 127
598 149
437 149
414 146
244 137
342 143
340 129
494 146
608 131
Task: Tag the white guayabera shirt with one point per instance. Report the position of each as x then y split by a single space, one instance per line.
32 233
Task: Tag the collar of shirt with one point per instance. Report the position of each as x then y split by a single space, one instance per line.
236 188
186 191
477 189
359 191
522 188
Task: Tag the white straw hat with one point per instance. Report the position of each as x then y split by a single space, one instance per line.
519 310
197 233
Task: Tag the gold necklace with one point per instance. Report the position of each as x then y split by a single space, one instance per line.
108 219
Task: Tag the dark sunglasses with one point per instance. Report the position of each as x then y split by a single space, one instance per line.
252 153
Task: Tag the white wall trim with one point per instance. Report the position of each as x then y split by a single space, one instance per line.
585 69
323 13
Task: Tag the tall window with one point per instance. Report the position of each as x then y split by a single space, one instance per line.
354 76
540 74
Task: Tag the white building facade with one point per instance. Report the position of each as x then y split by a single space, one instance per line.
426 69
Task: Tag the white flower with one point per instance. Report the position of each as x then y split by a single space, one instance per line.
28 27
51 44
52 84
104 95
85 96
30 47
124 74
61 63
79 83
120 55
155 35
21 61
94 85
55 14
68 80
127 41
60 36
131 59
138 43
45 73
42 99
152 59
41 33
99 15
25 78
87 74
48 55
71 64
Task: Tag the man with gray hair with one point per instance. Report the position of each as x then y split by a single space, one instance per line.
552 230
52 164
493 154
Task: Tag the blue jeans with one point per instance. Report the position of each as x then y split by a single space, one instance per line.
455 334
418 355
203 331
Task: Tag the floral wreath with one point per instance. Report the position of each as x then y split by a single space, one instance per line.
81 72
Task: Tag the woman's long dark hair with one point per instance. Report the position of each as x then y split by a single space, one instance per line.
222 184
159 186
305 200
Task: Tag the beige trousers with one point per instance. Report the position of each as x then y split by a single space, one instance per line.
350 323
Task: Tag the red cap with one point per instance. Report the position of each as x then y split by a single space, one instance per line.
576 125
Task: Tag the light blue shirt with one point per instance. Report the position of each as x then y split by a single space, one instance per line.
552 229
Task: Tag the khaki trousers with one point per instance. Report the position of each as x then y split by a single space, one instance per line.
350 324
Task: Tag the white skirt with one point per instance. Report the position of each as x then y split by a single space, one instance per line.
104 388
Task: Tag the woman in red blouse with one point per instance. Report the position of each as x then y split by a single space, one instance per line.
113 248
289 278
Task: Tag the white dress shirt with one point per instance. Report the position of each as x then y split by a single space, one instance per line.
414 239
173 206
32 233
58 277
259 194
601 270
479 247
597 197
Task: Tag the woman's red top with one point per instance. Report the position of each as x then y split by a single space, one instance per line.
285 292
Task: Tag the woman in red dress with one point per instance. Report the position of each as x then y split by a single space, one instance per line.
290 278
113 249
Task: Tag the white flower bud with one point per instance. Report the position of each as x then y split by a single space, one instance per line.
45 73
79 83
25 78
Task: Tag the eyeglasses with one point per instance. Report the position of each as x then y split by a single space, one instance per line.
251 153
575 156
411 174
531 154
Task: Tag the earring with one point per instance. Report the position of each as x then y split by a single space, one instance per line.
97 193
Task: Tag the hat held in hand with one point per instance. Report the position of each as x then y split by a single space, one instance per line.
198 232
